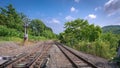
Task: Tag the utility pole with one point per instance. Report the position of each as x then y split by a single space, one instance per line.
26 22
25 32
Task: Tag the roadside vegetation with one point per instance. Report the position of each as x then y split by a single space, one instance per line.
81 35
12 26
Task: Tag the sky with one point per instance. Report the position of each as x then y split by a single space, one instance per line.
55 13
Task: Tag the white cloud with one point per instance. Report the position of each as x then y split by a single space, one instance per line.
91 16
109 2
69 18
55 21
112 7
97 8
77 1
72 9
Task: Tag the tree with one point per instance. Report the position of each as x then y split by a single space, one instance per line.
12 24
3 16
79 30
38 28
10 18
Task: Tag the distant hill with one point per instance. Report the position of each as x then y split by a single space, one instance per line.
111 28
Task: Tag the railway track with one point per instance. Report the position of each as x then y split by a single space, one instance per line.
40 57
32 59
75 60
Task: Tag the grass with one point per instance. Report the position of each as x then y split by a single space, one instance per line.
98 48
15 39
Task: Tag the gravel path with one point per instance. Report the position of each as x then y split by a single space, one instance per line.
57 58
12 48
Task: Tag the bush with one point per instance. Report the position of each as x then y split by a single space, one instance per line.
7 32
36 38
98 48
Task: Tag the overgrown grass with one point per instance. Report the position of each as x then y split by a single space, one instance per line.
98 48
30 38
105 46
37 38
16 39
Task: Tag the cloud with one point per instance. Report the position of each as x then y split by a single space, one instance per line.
112 7
91 16
77 1
97 8
55 21
72 9
69 18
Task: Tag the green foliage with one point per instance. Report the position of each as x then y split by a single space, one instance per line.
98 48
38 28
10 18
81 35
12 25
101 49
80 30
4 31
111 38
36 38
16 39
115 29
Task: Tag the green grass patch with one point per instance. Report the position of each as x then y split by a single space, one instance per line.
37 38
16 39
98 48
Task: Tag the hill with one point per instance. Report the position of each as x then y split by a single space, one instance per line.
115 29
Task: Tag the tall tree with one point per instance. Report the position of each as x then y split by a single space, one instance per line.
80 29
10 18
38 28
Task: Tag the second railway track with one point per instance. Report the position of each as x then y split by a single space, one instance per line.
76 60
32 59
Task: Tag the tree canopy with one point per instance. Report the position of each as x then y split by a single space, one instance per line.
81 35
80 30
115 29
10 18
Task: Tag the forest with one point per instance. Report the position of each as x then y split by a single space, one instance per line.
78 34
12 26
115 29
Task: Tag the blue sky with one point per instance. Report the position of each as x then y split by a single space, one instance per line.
54 13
